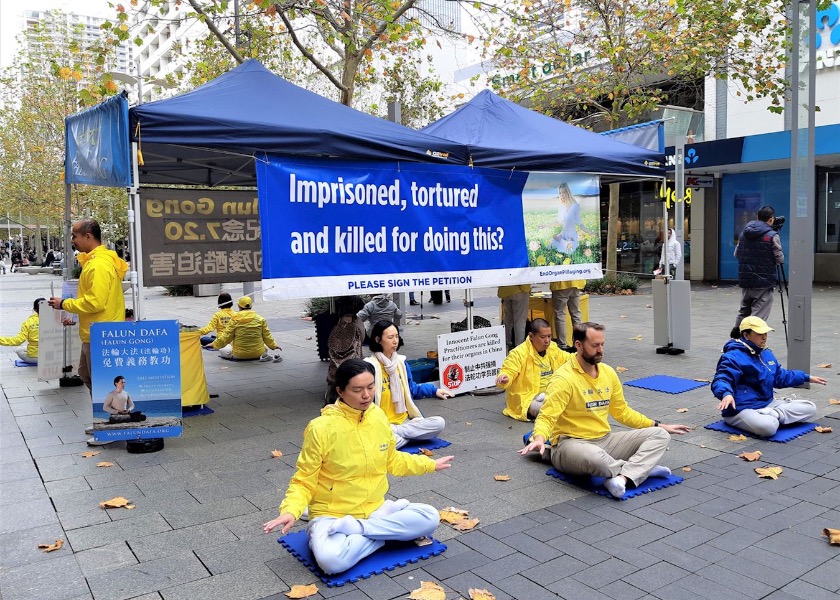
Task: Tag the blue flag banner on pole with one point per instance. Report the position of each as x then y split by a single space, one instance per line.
336 228
136 380
97 146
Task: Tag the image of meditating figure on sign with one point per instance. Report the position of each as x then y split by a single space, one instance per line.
119 405
568 215
342 477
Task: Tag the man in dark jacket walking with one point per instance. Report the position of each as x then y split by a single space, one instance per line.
759 250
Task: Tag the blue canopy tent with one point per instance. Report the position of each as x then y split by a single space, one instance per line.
504 135
210 135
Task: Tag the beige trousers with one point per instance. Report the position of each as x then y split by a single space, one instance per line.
630 453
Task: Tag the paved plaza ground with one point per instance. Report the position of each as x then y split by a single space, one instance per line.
195 532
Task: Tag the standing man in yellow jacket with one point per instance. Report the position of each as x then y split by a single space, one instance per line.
515 300
100 297
563 294
28 333
246 336
580 397
527 370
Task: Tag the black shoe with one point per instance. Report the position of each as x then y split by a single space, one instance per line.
735 333
414 303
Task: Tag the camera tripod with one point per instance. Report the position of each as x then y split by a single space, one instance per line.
781 279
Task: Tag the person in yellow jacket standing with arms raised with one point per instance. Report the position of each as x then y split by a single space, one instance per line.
28 333
342 476
246 336
100 297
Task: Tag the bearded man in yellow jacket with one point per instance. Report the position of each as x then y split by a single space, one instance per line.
28 333
246 336
581 396
100 297
527 370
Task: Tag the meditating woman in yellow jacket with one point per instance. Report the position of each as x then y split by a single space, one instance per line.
28 333
219 321
341 476
246 336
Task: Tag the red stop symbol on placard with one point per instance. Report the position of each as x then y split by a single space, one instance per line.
453 376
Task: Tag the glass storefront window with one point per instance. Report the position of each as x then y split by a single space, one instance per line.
828 210
640 228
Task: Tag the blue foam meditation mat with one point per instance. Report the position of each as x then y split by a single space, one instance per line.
209 349
387 558
596 484
785 433
414 446
20 363
525 438
666 383
194 411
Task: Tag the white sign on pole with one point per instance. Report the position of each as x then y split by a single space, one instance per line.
51 339
470 360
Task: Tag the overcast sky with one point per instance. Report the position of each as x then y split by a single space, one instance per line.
11 19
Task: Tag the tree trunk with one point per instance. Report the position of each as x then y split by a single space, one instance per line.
612 230
348 79
39 249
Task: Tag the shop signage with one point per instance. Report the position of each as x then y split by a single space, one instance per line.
827 38
546 69
699 181
709 154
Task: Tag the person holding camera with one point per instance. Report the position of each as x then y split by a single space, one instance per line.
759 250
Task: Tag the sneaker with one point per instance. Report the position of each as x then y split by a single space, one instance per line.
278 358
414 303
95 442
266 357
89 430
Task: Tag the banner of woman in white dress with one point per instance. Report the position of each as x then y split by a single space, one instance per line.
340 228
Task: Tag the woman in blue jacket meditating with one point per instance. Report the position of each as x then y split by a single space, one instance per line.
744 380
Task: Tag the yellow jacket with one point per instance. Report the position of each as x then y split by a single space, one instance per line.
343 464
100 298
218 321
28 333
524 371
566 285
576 405
506 291
249 333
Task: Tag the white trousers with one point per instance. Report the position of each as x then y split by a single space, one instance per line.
337 552
21 352
765 421
420 428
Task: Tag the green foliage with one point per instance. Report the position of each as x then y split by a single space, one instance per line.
613 284
611 59
179 290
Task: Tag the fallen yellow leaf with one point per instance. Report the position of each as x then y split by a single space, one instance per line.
118 502
620 369
302 591
477 594
638 338
501 477
465 524
833 401
452 515
426 452
648 305
57 546
738 438
702 380
682 410
90 453
824 366
750 456
821 429
687 469
276 454
833 536
769 472
468 423
428 590
622 316
104 463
